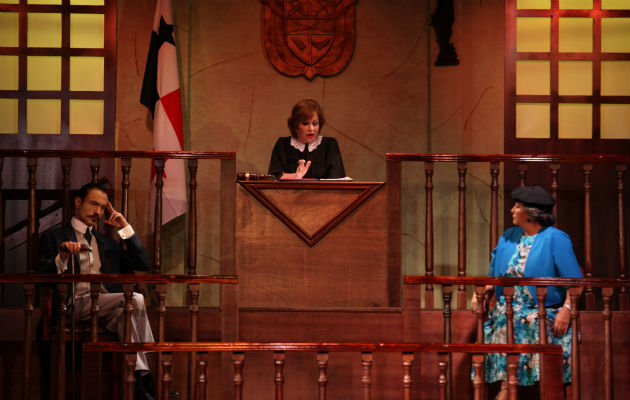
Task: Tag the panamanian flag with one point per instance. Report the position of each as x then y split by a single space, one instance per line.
161 95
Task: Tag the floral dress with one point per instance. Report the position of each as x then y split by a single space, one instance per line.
525 327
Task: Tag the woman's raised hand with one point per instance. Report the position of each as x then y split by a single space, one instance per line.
302 168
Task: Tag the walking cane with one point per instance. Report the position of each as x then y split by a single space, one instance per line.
73 388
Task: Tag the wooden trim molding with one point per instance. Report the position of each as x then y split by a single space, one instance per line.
257 189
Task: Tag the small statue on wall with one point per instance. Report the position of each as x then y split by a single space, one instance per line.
309 37
442 21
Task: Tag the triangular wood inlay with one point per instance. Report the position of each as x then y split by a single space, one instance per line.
311 209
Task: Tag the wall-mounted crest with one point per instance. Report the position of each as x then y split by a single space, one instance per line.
309 37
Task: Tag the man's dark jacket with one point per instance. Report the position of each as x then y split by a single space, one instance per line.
114 258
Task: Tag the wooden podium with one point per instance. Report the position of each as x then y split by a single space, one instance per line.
311 244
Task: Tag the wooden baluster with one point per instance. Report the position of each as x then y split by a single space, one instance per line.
541 295
33 222
522 173
554 168
160 290
512 367
394 232
366 377
428 233
193 291
202 367
192 217
589 295
62 293
95 166
494 205
480 294
447 292
624 303
129 376
238 358
68 207
574 293
461 234
407 360
95 288
128 293
167 378
278 360
508 292
322 380
478 381
125 167
443 366
1 233
29 289
158 163
608 364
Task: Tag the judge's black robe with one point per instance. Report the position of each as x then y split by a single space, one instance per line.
325 159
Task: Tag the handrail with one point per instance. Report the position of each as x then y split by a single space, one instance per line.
222 155
561 158
508 281
118 278
323 346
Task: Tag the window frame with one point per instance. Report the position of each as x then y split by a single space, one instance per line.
63 140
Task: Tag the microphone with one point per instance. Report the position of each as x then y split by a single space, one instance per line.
84 248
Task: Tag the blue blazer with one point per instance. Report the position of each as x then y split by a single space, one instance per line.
551 255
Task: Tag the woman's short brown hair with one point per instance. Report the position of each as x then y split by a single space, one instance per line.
303 110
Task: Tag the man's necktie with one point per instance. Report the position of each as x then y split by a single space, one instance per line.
88 236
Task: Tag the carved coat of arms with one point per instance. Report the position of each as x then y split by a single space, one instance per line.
309 37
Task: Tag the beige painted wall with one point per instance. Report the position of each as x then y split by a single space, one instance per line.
390 98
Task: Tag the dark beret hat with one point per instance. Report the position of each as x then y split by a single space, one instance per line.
533 196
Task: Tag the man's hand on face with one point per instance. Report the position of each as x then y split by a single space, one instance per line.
115 219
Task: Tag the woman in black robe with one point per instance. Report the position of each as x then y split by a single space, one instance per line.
306 154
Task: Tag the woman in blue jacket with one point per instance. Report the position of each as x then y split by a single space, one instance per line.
533 248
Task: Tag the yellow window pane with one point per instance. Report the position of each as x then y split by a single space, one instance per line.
575 121
533 4
87 30
86 73
575 4
533 34
8 115
575 78
43 73
87 2
43 116
44 1
44 30
615 35
615 4
576 35
9 1
9 72
9 29
532 121
616 78
532 77
615 123
86 117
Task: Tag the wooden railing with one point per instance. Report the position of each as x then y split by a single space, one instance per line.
576 285
551 354
227 202
588 163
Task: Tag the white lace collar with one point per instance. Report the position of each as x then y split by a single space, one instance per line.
296 144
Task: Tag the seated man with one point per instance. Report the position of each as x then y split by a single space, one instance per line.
95 253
